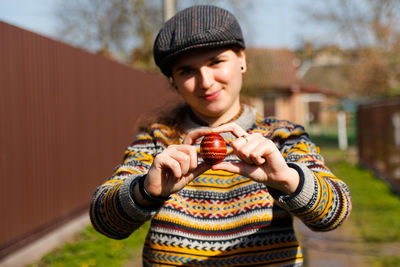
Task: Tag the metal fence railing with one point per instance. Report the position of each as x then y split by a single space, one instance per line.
66 117
379 139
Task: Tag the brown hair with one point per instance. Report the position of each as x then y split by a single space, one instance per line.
168 116
172 117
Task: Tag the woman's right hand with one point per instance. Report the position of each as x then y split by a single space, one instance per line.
173 169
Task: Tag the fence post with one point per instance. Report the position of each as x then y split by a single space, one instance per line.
396 128
342 131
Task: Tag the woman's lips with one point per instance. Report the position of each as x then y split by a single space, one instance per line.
213 96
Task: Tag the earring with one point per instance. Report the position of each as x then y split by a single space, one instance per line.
242 68
171 82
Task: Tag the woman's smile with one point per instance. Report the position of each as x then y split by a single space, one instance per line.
212 96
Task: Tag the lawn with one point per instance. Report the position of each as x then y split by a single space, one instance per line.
89 248
376 207
375 213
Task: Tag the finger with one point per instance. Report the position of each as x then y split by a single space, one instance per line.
201 168
243 156
183 160
257 155
258 148
244 148
193 157
242 168
240 142
191 151
191 137
252 152
165 161
230 127
228 166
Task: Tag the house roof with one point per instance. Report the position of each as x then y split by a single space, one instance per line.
268 69
334 77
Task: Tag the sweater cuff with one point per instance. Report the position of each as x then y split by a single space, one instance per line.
304 192
128 202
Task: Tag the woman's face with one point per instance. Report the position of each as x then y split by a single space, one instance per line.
210 82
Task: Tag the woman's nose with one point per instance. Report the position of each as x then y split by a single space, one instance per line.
206 77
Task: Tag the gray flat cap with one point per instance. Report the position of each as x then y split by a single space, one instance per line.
202 26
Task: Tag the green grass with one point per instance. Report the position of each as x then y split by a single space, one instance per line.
329 137
93 249
375 206
385 261
375 213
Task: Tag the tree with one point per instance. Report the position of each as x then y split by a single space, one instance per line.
371 28
123 29
109 26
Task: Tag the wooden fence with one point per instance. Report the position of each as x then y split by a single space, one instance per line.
379 139
66 117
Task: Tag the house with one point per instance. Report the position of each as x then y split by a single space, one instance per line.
273 83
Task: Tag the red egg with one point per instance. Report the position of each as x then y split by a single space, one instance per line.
213 148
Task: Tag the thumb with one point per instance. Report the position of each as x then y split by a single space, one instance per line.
201 168
189 177
229 167
248 170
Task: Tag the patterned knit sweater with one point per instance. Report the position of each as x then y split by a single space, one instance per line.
220 218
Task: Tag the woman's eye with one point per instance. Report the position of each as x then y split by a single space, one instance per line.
186 71
216 62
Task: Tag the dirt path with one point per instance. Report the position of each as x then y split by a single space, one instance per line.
135 260
340 247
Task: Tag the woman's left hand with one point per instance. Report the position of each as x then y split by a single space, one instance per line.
261 160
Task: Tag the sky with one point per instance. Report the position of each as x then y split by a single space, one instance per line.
272 24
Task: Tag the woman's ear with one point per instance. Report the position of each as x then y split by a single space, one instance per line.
243 61
172 83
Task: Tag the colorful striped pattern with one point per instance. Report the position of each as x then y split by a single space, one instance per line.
220 218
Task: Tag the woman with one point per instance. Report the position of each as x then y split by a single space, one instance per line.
238 212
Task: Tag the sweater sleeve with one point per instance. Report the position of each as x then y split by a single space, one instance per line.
113 210
321 201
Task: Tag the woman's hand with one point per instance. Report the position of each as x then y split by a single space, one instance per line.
260 158
173 169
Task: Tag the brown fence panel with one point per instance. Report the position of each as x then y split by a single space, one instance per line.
379 139
66 117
